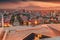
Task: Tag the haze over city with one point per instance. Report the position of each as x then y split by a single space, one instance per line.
5 5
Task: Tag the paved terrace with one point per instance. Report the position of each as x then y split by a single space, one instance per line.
1 33
20 32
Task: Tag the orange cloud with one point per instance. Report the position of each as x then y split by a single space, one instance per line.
28 3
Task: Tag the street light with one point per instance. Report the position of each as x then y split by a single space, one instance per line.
2 21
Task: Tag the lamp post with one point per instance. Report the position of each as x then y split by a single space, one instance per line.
2 21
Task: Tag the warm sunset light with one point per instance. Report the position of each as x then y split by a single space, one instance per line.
29 19
27 4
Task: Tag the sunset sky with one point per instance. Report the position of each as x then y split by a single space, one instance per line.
25 3
27 0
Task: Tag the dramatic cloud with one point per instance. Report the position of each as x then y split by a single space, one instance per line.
10 0
25 0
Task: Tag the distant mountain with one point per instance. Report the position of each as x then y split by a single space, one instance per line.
30 6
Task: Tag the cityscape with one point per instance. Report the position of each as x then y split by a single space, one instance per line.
30 17
29 20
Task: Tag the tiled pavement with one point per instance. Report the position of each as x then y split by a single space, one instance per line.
22 32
